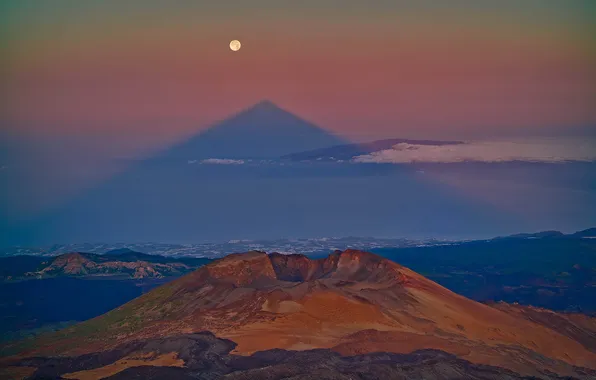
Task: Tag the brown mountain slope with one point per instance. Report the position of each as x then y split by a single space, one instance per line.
579 327
351 302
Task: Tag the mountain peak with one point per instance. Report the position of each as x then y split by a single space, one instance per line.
349 265
259 269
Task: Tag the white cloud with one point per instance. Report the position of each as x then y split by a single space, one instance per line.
222 161
543 150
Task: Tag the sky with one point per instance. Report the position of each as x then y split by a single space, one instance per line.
87 83
153 71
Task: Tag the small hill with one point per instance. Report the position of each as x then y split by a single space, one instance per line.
350 302
126 262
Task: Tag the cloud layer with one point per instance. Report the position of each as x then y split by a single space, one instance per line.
548 151
218 161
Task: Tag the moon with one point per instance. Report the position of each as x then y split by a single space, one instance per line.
235 45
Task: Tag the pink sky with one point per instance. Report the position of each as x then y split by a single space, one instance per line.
364 73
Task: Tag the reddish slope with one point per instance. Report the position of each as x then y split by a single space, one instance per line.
353 302
579 327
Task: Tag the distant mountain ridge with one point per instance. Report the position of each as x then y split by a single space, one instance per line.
587 233
315 245
348 151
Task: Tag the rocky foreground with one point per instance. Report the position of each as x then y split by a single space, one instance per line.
204 356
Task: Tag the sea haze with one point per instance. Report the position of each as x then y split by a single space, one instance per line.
266 173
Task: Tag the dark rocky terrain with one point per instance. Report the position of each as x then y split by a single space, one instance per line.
204 356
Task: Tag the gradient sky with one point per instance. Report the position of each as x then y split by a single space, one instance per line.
151 71
84 82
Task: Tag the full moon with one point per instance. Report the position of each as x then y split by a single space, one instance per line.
235 45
